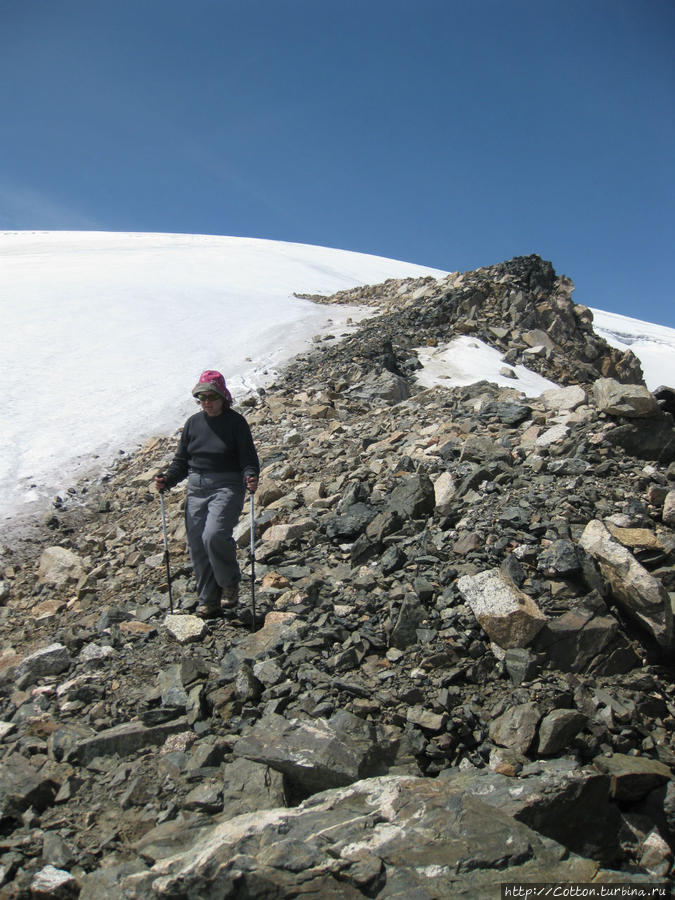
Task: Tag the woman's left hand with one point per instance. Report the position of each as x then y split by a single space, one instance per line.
252 483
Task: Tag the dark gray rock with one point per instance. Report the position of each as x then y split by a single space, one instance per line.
522 664
247 688
386 522
137 792
164 840
632 778
384 386
561 559
571 465
516 728
317 753
351 523
363 550
512 414
557 729
413 498
207 797
392 559
553 798
23 787
665 397
208 752
123 740
410 616
586 639
55 851
170 684
248 786
657 442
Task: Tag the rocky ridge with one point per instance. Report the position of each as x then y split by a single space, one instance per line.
462 668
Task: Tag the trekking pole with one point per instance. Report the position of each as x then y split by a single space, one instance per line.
252 552
166 549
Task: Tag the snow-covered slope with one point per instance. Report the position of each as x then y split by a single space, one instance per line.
654 345
102 336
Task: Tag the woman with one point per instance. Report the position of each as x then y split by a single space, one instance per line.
217 455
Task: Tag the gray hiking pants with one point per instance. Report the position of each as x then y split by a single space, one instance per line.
212 508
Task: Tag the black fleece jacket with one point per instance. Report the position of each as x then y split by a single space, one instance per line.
214 444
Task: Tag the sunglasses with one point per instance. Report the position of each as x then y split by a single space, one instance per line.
202 398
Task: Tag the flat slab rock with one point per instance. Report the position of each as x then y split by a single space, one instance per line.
632 777
391 837
320 753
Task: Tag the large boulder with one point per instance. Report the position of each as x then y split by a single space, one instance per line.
557 729
669 509
633 777
639 595
320 753
445 488
655 442
634 401
414 497
554 797
22 787
509 616
384 387
516 728
124 740
564 399
51 660
586 639
59 566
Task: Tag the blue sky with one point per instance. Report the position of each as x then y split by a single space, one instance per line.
449 133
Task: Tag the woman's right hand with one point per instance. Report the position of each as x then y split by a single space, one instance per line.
160 482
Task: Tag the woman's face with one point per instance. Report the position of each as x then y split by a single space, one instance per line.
212 403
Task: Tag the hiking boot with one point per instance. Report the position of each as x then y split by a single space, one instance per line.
208 612
230 595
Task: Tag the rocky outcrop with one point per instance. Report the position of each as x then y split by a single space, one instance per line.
392 837
461 670
521 307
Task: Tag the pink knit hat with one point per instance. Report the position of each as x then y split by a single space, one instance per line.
212 381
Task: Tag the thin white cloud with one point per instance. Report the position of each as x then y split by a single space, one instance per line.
23 206
224 171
